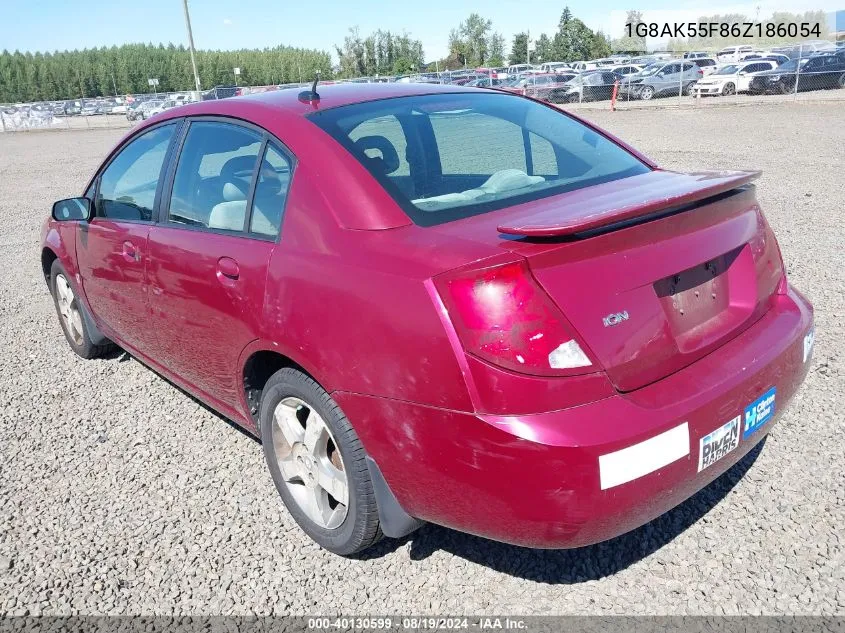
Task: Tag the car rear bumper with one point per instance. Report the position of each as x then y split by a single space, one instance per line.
586 474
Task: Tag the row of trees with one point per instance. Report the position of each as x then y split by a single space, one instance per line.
126 69
474 43
573 41
381 53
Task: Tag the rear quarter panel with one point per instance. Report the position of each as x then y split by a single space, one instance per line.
351 306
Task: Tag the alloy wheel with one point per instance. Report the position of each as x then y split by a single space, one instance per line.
729 89
69 310
310 463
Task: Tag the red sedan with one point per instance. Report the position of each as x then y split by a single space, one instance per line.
439 304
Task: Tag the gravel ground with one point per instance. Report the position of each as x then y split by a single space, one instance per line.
120 494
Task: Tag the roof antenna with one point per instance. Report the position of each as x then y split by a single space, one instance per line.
311 96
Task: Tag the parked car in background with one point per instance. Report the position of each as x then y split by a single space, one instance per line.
663 78
485 82
706 64
583 66
643 60
220 92
695 54
41 112
169 104
732 54
504 335
806 49
495 73
592 85
118 106
554 67
823 70
73 108
627 69
546 87
770 81
774 57
731 78
91 108
140 110
515 69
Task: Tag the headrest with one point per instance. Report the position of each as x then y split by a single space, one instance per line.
233 191
238 167
388 162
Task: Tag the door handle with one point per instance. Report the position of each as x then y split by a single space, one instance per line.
228 268
131 252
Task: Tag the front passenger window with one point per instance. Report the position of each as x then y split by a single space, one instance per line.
128 185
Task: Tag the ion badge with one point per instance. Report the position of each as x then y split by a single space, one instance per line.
714 446
759 412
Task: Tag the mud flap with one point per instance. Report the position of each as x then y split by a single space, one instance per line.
395 522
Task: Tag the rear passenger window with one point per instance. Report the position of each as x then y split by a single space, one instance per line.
213 176
270 193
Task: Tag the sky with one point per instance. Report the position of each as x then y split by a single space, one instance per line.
48 25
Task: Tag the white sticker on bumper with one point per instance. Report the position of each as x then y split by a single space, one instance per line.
809 340
641 459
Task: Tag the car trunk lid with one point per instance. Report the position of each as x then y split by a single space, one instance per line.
654 273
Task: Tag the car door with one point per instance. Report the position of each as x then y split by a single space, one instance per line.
209 252
811 74
667 78
746 74
111 248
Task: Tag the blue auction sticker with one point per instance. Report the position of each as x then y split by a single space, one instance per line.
759 412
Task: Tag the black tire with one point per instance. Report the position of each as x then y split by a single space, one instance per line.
647 93
841 81
783 88
573 98
360 528
78 337
729 89
687 90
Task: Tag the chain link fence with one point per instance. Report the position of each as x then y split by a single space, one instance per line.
696 79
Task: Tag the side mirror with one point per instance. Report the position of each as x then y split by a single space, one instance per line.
72 209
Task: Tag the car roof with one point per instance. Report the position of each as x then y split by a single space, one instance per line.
331 96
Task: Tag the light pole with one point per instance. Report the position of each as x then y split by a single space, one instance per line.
191 45
528 47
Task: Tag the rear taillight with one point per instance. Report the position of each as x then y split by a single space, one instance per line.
503 316
783 284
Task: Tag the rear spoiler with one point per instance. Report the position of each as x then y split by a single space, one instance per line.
621 200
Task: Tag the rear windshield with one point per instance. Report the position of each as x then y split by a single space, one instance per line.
449 156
